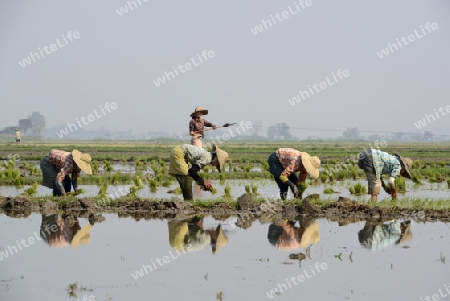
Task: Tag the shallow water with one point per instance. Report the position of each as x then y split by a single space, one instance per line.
245 268
267 188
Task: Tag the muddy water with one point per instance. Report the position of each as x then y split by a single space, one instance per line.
247 264
266 188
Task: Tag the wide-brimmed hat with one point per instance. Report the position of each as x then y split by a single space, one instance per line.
199 109
83 161
219 238
82 237
407 163
310 235
222 157
311 164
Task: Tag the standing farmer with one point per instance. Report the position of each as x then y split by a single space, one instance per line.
197 126
185 162
376 163
56 167
17 136
285 162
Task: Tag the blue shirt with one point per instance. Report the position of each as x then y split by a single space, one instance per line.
385 164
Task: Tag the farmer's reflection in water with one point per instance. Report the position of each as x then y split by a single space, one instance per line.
64 230
289 237
189 235
378 236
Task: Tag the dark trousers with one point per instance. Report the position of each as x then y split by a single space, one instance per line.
276 169
186 186
67 184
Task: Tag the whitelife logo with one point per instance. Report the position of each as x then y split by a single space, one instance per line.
90 118
188 66
319 87
423 122
52 48
391 48
265 24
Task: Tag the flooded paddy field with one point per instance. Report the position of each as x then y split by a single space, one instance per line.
202 258
150 244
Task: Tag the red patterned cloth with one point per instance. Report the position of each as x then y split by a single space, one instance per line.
198 125
63 161
291 160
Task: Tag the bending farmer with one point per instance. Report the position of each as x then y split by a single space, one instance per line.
187 155
56 167
285 162
376 163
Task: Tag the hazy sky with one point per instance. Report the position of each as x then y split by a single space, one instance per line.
250 77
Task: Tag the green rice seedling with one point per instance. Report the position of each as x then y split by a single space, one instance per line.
358 189
19 182
254 190
247 188
416 180
222 177
32 190
227 191
166 184
448 183
264 166
213 190
323 177
139 165
328 190
206 169
416 164
103 188
137 181
331 178
108 166
95 167
235 169
442 163
159 178
400 184
153 185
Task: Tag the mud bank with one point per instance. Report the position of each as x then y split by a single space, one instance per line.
246 210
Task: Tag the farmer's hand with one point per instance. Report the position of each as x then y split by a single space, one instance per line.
291 185
214 127
60 187
301 188
207 184
394 194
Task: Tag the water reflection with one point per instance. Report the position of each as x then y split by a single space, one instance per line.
289 237
379 236
63 230
189 235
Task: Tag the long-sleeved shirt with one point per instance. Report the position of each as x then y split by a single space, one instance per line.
63 161
198 125
291 160
385 164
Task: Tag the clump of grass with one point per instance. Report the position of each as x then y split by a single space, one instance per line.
108 166
331 178
247 188
328 190
153 185
213 190
254 190
95 167
32 190
400 184
323 177
358 189
103 189
227 191
416 180
166 184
